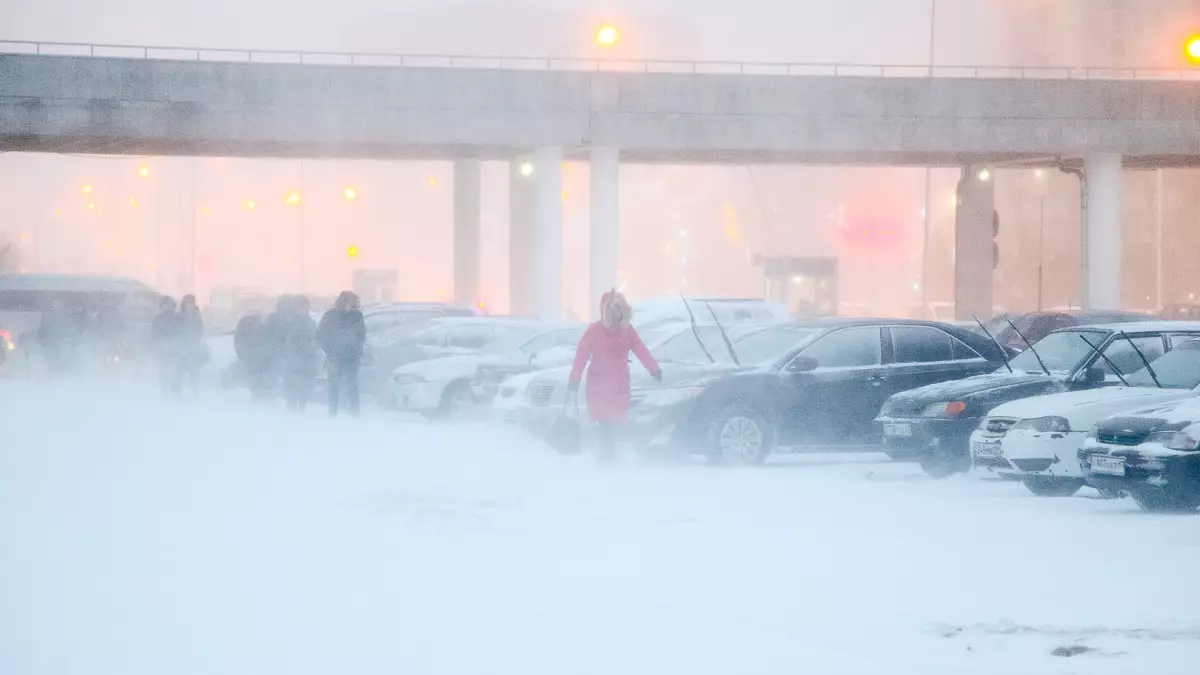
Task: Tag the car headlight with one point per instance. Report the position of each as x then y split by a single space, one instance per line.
668 397
944 409
407 378
1051 424
1174 440
888 408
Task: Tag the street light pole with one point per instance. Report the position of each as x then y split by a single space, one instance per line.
1041 245
926 212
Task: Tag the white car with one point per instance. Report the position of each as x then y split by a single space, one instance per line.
1035 440
442 387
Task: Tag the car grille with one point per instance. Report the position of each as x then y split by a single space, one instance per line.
1118 438
540 393
1000 425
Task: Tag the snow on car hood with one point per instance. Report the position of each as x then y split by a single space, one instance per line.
1085 408
955 390
443 369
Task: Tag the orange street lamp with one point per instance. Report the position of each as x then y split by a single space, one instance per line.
87 189
144 171
350 194
1192 49
292 199
249 204
608 36
352 251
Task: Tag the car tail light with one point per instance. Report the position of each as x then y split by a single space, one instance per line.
6 340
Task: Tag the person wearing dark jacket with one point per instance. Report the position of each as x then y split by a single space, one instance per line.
342 334
165 335
193 352
253 353
299 357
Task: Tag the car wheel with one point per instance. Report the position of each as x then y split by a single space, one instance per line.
456 401
1158 501
1051 486
740 437
943 464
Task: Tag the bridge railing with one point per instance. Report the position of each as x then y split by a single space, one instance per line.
593 65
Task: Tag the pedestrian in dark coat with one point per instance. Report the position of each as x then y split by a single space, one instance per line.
193 352
165 337
342 334
300 355
252 347
606 345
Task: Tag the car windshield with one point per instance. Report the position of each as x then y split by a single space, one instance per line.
510 339
770 343
1177 369
1062 352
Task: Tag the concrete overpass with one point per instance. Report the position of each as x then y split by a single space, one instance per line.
55 103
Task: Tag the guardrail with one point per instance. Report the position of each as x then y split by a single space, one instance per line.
591 65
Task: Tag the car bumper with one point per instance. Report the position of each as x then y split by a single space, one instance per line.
664 430
917 437
421 397
1178 472
1032 453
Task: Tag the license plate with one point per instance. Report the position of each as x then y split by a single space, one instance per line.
986 449
1113 466
897 429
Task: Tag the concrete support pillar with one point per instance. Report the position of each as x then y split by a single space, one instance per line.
605 246
1101 282
975 223
467 233
520 236
548 233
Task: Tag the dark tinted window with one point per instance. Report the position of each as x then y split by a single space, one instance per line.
471 337
847 348
1047 324
963 352
921 344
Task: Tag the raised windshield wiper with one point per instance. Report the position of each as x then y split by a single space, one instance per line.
1003 354
1149 369
1028 344
696 331
1106 360
724 335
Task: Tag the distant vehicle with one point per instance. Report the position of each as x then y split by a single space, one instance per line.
655 312
1153 454
443 386
25 299
817 385
1044 432
437 382
1037 325
1180 312
933 424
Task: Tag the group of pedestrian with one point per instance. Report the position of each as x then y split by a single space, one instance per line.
284 350
177 338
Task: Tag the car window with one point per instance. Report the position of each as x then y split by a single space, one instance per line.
550 340
963 351
471 337
1062 352
921 344
1125 357
1047 324
847 348
432 338
1177 369
1177 339
684 348
379 320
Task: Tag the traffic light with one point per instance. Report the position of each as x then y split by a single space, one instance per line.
995 244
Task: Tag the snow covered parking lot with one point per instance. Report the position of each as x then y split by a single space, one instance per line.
144 538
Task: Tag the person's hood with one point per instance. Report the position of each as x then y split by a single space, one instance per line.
1084 408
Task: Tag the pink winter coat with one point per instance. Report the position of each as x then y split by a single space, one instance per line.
606 345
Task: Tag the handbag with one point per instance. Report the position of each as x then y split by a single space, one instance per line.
564 434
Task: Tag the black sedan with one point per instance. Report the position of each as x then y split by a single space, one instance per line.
1034 326
933 424
1152 454
808 384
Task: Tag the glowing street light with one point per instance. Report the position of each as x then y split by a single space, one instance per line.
352 251
144 171
87 189
526 168
350 194
1192 49
985 175
249 204
608 36
134 202
292 199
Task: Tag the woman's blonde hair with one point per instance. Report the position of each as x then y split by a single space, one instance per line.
615 312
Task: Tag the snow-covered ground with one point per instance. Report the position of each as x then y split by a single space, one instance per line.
143 538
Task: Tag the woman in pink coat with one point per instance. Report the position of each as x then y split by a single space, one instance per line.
606 344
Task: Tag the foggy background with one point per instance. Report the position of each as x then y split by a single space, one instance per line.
206 224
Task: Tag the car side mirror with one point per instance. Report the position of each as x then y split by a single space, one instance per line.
803 364
1094 377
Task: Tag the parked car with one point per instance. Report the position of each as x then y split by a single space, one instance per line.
442 386
1036 325
1035 439
656 312
533 400
817 384
933 424
1152 454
